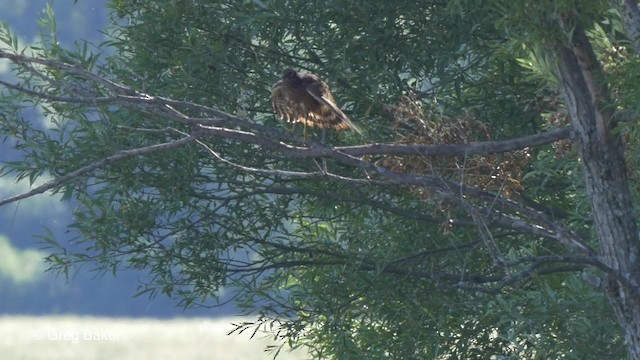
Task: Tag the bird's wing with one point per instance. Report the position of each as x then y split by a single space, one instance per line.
279 101
276 91
320 91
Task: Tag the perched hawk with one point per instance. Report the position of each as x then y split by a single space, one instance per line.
304 98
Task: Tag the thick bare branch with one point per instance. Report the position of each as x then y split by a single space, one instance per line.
478 148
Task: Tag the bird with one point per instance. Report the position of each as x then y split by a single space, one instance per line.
305 98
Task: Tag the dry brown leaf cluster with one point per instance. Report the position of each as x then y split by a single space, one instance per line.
415 122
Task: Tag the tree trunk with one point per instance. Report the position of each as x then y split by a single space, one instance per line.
630 14
607 184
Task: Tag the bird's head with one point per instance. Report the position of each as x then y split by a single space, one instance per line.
289 74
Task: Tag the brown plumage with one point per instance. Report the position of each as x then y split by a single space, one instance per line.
304 98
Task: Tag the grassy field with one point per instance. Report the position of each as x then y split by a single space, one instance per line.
92 338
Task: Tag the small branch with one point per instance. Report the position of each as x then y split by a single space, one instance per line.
265 172
464 281
107 100
100 163
485 233
69 69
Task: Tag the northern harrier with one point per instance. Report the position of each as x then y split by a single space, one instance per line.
305 98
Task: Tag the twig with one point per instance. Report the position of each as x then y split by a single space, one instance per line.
97 164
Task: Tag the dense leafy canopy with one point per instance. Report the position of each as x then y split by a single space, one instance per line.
454 257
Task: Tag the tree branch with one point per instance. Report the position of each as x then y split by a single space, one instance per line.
630 14
474 148
124 154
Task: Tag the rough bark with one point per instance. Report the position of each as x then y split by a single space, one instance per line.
630 14
606 178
